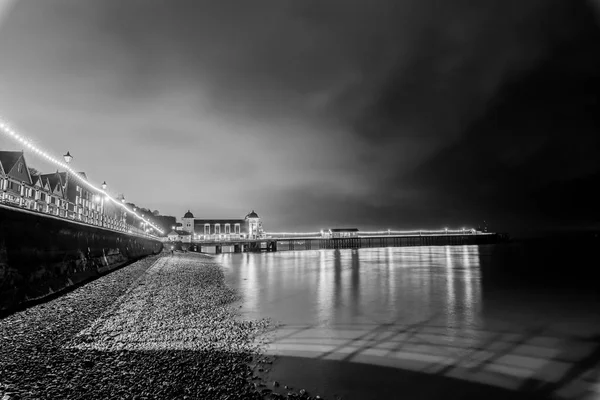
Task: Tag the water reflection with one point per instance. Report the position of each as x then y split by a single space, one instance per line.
415 308
382 285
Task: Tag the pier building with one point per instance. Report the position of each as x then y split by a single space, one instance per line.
249 227
343 232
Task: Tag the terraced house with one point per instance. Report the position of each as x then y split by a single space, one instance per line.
15 180
56 193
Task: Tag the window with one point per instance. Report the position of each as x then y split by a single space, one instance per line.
227 229
207 229
217 229
237 229
20 167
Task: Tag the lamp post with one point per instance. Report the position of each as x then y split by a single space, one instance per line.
102 205
68 157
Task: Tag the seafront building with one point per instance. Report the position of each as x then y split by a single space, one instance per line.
249 227
54 193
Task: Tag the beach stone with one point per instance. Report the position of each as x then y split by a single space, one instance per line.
43 354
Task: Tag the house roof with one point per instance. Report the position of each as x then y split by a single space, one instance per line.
53 180
8 159
344 230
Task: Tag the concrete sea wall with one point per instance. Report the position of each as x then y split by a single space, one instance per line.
42 254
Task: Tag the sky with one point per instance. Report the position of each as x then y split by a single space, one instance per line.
396 114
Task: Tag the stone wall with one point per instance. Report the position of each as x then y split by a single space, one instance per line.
41 254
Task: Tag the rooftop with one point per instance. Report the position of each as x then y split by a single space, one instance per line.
252 215
188 214
8 159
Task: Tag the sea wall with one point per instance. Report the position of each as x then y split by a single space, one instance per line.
42 254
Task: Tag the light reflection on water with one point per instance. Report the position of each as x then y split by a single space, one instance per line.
383 286
423 309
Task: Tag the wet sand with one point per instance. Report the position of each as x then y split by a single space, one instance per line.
353 381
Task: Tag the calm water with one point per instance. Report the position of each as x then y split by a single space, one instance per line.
466 312
441 284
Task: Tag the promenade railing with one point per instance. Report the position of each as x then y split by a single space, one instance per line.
61 208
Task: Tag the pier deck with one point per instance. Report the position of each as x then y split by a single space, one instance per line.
316 243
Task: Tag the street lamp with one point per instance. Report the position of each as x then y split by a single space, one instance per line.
68 157
102 205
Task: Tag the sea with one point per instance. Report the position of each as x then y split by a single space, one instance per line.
505 314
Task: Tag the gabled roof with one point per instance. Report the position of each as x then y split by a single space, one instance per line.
63 177
8 159
46 183
53 180
36 180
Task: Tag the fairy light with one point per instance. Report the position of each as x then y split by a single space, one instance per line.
388 232
293 233
7 130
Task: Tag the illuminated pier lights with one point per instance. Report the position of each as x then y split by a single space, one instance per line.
331 233
8 131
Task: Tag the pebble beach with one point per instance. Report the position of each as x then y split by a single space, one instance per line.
164 327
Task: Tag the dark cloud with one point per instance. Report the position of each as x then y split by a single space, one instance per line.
532 155
379 113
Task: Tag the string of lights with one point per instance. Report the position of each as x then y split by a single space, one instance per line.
382 233
8 131
421 232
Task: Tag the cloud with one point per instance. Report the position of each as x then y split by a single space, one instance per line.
225 106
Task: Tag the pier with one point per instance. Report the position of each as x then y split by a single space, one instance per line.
283 243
